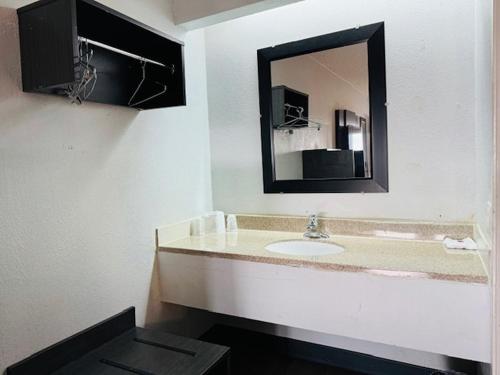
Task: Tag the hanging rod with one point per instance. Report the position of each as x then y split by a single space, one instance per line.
113 49
292 124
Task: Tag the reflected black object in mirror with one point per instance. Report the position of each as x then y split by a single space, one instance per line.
323 113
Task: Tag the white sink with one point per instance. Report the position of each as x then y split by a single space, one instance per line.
304 247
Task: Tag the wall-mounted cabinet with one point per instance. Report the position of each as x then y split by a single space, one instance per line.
286 101
86 51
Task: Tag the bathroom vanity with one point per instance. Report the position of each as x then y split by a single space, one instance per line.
398 292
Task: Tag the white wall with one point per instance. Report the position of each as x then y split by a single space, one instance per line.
82 190
484 117
430 84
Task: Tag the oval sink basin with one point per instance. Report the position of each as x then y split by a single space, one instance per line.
304 247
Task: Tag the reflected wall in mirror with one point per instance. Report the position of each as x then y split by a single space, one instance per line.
323 115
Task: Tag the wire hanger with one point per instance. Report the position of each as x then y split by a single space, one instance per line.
81 89
297 121
77 92
164 88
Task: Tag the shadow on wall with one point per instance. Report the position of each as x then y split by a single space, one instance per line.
178 319
194 281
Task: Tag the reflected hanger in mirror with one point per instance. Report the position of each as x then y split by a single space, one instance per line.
297 121
131 102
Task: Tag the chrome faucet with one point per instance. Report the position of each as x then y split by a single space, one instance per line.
313 228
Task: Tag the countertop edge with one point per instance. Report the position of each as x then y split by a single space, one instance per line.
299 263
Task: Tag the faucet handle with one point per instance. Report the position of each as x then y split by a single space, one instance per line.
313 220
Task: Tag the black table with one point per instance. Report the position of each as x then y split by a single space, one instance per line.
117 347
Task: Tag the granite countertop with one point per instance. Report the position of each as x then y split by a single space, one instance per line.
388 257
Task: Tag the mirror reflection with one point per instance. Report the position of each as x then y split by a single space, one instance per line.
321 115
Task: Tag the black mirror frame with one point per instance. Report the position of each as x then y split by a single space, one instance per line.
378 183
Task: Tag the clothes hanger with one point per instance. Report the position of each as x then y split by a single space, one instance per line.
293 123
164 89
81 89
77 92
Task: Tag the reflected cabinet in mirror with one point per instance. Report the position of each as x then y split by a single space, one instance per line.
323 113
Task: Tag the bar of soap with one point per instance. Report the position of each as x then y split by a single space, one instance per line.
465 244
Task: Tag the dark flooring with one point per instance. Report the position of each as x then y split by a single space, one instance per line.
266 364
254 353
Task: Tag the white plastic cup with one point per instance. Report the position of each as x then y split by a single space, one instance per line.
220 223
232 223
198 227
214 222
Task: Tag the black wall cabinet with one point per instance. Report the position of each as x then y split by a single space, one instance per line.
282 96
52 33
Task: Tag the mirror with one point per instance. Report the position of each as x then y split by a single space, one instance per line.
323 115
